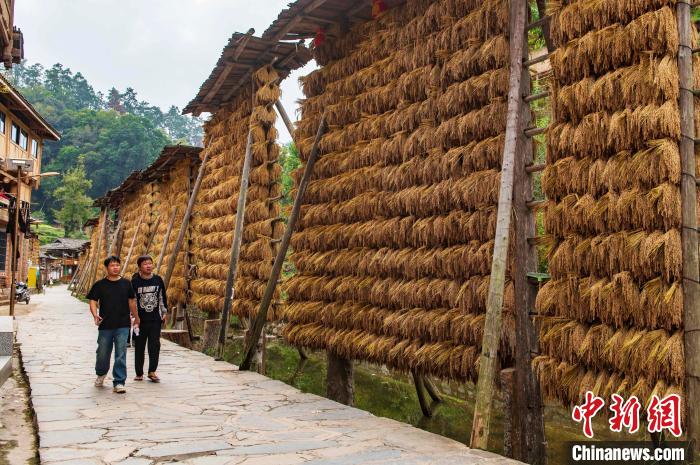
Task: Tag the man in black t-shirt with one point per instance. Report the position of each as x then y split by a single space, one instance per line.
153 313
116 301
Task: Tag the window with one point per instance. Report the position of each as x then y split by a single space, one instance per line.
2 123
15 133
23 139
35 148
3 250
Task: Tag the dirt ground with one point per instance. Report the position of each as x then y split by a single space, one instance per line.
17 433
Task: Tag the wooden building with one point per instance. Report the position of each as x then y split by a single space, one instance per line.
23 132
11 38
67 252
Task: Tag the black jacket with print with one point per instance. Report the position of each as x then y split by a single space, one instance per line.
151 298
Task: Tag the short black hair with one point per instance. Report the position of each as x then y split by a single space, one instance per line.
142 259
112 259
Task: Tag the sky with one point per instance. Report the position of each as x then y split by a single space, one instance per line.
164 49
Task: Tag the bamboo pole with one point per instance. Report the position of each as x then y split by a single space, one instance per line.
185 220
169 231
255 331
133 241
236 246
689 234
494 303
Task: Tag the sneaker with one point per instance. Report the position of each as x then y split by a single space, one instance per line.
100 381
119 389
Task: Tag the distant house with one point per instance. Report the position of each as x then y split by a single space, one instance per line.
60 258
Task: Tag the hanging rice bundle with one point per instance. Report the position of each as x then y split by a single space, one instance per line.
394 244
612 315
226 136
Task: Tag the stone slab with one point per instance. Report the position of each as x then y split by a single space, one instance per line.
203 413
6 335
5 368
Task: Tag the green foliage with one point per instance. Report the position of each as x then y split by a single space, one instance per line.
289 159
113 135
48 234
76 205
535 38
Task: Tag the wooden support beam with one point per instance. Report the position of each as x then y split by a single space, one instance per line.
242 42
257 328
166 239
152 236
115 236
535 168
527 436
297 19
186 220
287 121
340 379
535 97
532 132
420 392
432 390
539 23
236 246
546 28
537 60
133 241
689 236
535 203
494 303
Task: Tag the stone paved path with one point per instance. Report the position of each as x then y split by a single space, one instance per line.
203 413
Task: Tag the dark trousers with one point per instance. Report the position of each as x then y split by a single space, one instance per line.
149 333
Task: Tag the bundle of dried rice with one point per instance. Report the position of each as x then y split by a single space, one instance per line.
393 247
612 316
215 210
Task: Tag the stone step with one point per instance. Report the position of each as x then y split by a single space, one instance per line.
5 368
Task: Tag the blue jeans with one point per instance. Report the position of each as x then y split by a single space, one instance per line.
105 339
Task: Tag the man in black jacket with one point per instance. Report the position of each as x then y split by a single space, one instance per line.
115 299
153 312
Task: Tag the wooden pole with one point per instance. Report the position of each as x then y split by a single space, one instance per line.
185 221
546 27
101 239
165 240
527 437
15 242
285 117
236 246
432 390
494 303
115 237
420 391
255 331
153 235
133 241
689 233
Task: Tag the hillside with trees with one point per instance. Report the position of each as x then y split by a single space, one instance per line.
105 136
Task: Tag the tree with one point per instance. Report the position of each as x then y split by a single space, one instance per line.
75 203
289 159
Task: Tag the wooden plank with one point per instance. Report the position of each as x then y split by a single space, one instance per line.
494 303
236 246
689 236
229 67
256 330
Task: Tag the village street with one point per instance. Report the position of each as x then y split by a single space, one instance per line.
203 413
